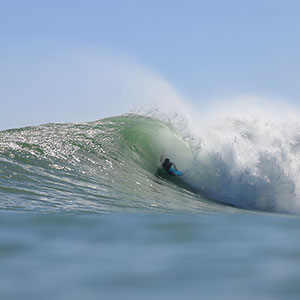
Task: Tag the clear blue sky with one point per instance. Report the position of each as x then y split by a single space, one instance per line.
61 58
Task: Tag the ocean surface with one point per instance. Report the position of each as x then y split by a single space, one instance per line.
86 211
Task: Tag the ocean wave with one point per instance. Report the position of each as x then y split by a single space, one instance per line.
114 165
104 166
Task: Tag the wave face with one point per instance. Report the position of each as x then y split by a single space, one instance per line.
108 165
114 165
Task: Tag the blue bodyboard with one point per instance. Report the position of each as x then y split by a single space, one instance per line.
174 172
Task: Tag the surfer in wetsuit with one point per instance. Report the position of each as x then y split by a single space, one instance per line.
167 164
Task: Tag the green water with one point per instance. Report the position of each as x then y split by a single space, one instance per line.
105 166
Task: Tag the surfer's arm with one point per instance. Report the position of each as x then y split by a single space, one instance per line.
174 166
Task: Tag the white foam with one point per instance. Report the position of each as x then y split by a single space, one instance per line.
247 154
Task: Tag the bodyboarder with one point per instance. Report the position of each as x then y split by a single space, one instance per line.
167 164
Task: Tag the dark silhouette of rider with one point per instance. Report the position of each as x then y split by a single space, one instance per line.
167 164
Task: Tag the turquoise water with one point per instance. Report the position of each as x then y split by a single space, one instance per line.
87 212
150 256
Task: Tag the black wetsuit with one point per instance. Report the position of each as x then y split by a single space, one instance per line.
167 165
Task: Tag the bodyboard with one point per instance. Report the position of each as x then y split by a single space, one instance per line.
174 172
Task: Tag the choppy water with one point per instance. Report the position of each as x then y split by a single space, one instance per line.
86 210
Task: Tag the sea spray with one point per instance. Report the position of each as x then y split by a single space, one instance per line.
246 155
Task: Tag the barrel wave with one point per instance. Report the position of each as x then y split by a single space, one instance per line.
110 165
113 165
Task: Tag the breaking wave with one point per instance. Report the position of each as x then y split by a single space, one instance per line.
248 161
